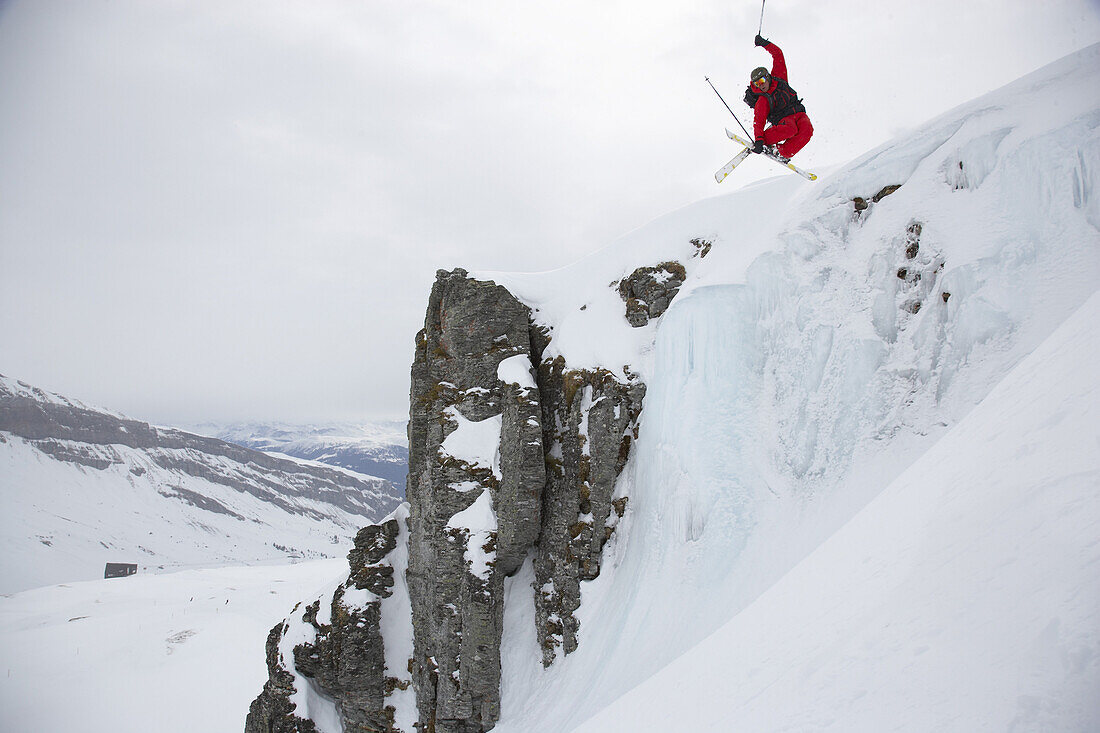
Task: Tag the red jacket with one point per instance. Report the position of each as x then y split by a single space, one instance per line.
779 69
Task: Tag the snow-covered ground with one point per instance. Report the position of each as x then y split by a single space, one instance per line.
847 511
175 653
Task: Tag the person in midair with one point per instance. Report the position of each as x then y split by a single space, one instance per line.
774 101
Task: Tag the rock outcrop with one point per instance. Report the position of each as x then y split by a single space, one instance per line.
513 458
591 421
648 291
555 441
862 204
335 646
475 438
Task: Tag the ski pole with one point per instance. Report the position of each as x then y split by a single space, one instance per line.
747 133
761 28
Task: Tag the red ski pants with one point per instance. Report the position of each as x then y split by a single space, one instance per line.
792 133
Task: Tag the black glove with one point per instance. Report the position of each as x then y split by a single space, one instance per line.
758 146
760 40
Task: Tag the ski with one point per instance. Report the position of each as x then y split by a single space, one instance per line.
728 167
805 174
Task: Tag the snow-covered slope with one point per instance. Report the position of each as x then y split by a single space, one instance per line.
821 347
80 487
965 597
376 449
174 653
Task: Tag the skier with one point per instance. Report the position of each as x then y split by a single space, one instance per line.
773 100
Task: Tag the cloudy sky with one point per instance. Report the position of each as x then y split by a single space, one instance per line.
227 210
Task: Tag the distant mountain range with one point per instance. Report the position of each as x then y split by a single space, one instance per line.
375 448
82 486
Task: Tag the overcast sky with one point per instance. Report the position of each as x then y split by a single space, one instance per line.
222 210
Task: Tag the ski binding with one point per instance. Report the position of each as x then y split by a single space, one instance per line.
788 164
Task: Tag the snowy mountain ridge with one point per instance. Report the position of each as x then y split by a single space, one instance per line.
372 448
15 388
82 486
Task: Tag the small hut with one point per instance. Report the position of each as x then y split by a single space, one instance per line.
119 569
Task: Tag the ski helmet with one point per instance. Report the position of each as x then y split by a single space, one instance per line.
760 73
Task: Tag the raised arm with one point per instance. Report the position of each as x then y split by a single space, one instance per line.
779 64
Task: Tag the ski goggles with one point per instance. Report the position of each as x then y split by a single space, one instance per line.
762 82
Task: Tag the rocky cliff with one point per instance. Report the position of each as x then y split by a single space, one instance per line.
336 642
513 458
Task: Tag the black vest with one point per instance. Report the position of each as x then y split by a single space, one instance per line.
783 102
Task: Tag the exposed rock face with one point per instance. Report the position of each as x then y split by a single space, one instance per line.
511 457
649 291
563 441
862 204
471 327
702 247
591 420
340 652
272 711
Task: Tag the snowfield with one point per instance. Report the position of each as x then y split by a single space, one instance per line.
175 653
864 496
